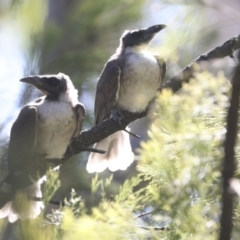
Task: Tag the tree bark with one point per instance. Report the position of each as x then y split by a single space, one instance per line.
226 49
229 164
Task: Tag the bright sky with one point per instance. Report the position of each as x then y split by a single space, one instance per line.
11 70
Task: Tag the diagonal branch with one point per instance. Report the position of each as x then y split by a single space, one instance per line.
226 49
109 126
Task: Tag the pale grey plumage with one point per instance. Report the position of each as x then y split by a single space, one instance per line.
43 129
129 81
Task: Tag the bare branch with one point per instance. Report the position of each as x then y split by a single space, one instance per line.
145 214
226 49
229 164
155 228
99 132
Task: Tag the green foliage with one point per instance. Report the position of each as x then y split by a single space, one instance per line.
53 184
183 157
180 165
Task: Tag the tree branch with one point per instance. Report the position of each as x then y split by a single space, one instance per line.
156 228
95 134
226 49
229 164
145 214
109 126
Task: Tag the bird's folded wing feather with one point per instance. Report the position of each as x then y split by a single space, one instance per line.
107 90
80 113
163 67
23 140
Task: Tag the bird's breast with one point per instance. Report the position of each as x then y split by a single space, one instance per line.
139 82
56 126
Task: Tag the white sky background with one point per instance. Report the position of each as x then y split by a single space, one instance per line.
11 70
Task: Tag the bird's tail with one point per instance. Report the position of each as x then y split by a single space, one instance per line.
118 154
21 206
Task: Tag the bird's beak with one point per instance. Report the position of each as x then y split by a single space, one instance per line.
37 82
149 33
34 80
156 28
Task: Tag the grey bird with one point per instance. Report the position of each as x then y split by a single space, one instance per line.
129 81
43 130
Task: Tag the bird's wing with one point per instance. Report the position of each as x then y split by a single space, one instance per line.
163 67
23 139
80 114
107 90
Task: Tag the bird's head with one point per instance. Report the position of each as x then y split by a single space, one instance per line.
51 85
140 37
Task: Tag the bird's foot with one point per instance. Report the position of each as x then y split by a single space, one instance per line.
117 116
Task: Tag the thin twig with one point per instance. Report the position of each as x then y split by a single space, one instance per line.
155 228
132 134
145 214
55 202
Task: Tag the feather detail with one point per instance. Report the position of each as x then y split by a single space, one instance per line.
118 154
20 208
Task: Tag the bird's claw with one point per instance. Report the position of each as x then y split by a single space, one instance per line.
117 116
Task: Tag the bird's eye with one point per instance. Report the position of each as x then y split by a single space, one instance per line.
53 82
